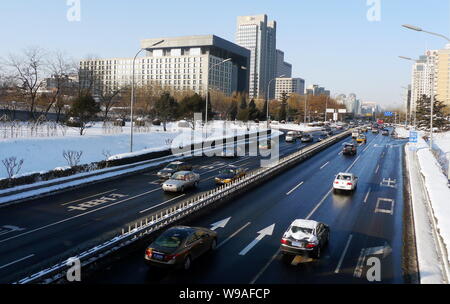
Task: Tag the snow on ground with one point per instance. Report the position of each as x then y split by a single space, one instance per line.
295 127
42 154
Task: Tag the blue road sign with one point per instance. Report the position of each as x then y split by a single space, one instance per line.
413 137
387 114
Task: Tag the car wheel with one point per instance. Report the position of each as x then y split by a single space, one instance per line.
187 263
196 184
182 189
213 245
318 253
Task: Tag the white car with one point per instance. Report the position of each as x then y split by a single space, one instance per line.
291 137
305 237
180 181
345 181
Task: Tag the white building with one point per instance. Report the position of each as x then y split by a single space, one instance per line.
423 73
289 86
180 63
258 35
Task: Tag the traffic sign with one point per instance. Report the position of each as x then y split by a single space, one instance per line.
413 136
388 114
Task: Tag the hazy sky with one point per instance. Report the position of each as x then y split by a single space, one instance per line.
328 42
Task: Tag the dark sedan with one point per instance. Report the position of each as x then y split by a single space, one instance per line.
307 138
179 246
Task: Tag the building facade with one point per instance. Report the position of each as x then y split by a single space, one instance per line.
283 68
423 78
191 63
317 90
443 75
289 86
258 35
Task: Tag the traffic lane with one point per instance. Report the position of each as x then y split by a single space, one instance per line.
339 211
251 205
119 220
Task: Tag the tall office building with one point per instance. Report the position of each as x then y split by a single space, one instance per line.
179 63
258 35
317 90
289 86
423 75
443 75
283 68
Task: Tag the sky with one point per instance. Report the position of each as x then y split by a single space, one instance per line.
328 42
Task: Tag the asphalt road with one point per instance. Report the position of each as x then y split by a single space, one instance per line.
364 225
37 234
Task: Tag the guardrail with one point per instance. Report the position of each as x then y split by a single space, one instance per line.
178 211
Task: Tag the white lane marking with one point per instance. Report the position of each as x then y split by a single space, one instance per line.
319 204
378 168
88 197
220 224
389 201
78 215
340 153
324 165
367 195
268 231
338 267
233 235
295 188
265 267
351 166
163 203
366 148
17 261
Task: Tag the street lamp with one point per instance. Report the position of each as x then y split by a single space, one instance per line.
132 93
207 92
418 29
410 59
268 99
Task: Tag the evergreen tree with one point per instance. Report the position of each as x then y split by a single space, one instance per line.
253 112
282 112
166 108
233 111
423 112
84 109
243 110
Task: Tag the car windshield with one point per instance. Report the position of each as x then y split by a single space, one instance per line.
171 238
296 229
227 171
179 176
344 177
172 166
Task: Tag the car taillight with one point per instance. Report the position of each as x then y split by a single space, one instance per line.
148 252
349 184
336 182
285 242
311 245
170 257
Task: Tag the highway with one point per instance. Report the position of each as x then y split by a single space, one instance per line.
38 233
364 225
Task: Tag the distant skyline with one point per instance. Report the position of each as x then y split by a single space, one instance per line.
331 43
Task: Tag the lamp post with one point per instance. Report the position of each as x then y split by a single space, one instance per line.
268 99
410 59
132 93
418 29
207 93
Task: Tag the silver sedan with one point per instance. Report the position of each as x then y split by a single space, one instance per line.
180 181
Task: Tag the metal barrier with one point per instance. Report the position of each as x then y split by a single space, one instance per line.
175 212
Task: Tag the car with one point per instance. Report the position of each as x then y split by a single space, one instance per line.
229 174
291 136
375 131
355 134
173 167
178 246
364 129
349 149
361 139
305 237
345 181
307 138
385 132
323 137
180 181
231 152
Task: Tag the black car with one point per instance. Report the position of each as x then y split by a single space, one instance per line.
307 138
179 246
349 149
172 168
385 132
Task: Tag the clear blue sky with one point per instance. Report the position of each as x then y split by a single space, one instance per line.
329 42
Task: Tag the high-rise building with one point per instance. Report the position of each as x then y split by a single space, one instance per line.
443 75
317 90
180 63
283 68
289 86
423 74
258 35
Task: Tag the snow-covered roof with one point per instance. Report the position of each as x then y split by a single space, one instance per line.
305 224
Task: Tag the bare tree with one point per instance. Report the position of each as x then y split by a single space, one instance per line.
29 71
12 166
72 157
108 99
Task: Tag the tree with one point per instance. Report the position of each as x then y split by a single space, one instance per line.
28 71
84 109
243 112
108 99
253 112
190 105
282 114
166 108
423 112
233 111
